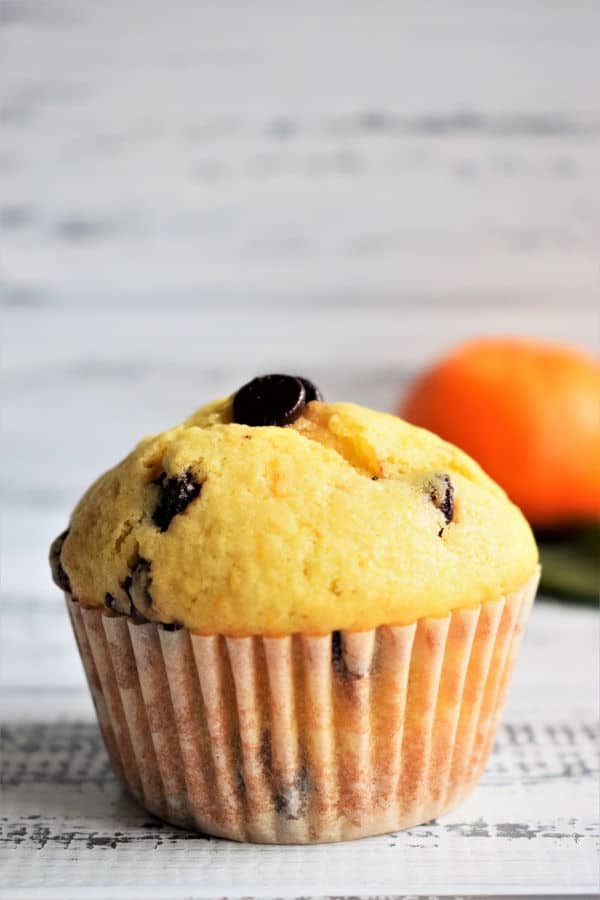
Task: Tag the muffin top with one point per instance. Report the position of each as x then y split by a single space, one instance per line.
272 512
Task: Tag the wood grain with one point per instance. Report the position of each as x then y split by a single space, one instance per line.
68 807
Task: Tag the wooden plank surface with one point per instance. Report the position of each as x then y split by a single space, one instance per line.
195 192
221 155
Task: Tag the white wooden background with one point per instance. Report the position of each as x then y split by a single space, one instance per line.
193 192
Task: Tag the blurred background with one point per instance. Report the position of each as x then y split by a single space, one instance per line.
193 193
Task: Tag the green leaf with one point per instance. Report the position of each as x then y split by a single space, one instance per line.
571 563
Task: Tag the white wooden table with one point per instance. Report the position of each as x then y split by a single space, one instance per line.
192 193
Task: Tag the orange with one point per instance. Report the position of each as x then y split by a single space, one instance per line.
529 413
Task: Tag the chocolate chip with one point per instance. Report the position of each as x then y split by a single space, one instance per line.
336 649
121 605
172 626
311 391
59 576
441 493
139 589
339 661
269 400
176 493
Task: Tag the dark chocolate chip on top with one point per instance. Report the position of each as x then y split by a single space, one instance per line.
269 400
311 391
273 400
176 493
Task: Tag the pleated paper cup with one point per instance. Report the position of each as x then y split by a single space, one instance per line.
302 739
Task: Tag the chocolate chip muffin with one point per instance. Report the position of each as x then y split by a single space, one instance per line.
297 618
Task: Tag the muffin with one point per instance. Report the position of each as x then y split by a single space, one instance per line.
297 619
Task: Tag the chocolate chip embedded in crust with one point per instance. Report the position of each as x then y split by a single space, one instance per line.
139 589
311 391
441 493
269 400
176 493
121 605
126 585
59 576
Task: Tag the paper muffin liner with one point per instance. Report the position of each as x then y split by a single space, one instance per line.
302 739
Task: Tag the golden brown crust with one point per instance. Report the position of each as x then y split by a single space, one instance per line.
346 519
